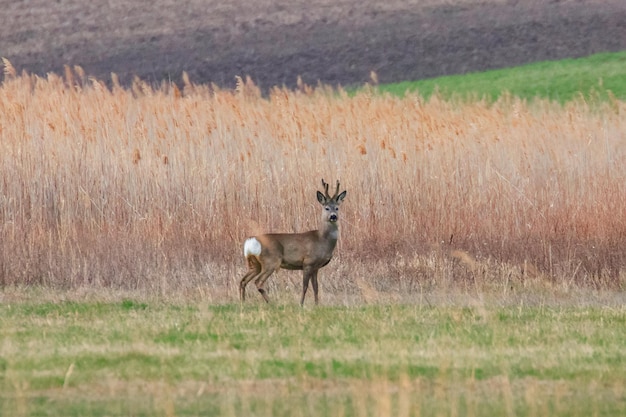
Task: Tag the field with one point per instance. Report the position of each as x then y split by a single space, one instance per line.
479 271
595 77
335 42
129 358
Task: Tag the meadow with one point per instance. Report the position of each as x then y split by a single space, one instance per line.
595 77
155 359
479 270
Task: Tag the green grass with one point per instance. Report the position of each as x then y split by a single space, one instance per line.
592 77
129 358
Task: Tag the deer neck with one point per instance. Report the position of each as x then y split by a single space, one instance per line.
329 232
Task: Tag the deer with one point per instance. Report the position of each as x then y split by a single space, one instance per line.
308 251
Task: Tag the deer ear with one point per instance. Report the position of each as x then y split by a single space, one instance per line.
321 198
341 196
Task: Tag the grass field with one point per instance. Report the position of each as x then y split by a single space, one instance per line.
596 77
130 358
479 270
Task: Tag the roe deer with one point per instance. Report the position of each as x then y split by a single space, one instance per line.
307 251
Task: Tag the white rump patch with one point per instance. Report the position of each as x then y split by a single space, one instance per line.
251 247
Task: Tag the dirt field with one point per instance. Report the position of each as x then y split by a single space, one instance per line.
274 41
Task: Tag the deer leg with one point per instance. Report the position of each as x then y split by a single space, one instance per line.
306 276
314 283
254 269
260 282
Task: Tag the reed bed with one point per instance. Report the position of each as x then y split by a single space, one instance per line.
154 189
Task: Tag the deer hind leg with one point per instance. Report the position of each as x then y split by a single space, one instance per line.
254 269
260 279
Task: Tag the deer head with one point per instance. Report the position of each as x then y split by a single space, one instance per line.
330 204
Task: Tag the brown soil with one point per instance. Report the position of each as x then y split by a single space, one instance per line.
275 41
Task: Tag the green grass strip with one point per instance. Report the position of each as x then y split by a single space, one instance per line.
596 77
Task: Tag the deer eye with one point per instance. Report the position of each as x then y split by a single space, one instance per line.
327 208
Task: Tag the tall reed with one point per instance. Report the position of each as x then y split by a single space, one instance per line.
154 189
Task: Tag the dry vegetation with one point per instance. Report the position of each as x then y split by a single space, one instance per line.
154 190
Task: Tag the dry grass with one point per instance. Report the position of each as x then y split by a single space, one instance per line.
154 190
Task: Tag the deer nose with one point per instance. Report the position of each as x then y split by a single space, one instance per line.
333 217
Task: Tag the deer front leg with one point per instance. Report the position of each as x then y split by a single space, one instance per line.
306 276
314 282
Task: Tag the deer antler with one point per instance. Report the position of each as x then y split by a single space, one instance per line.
325 185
